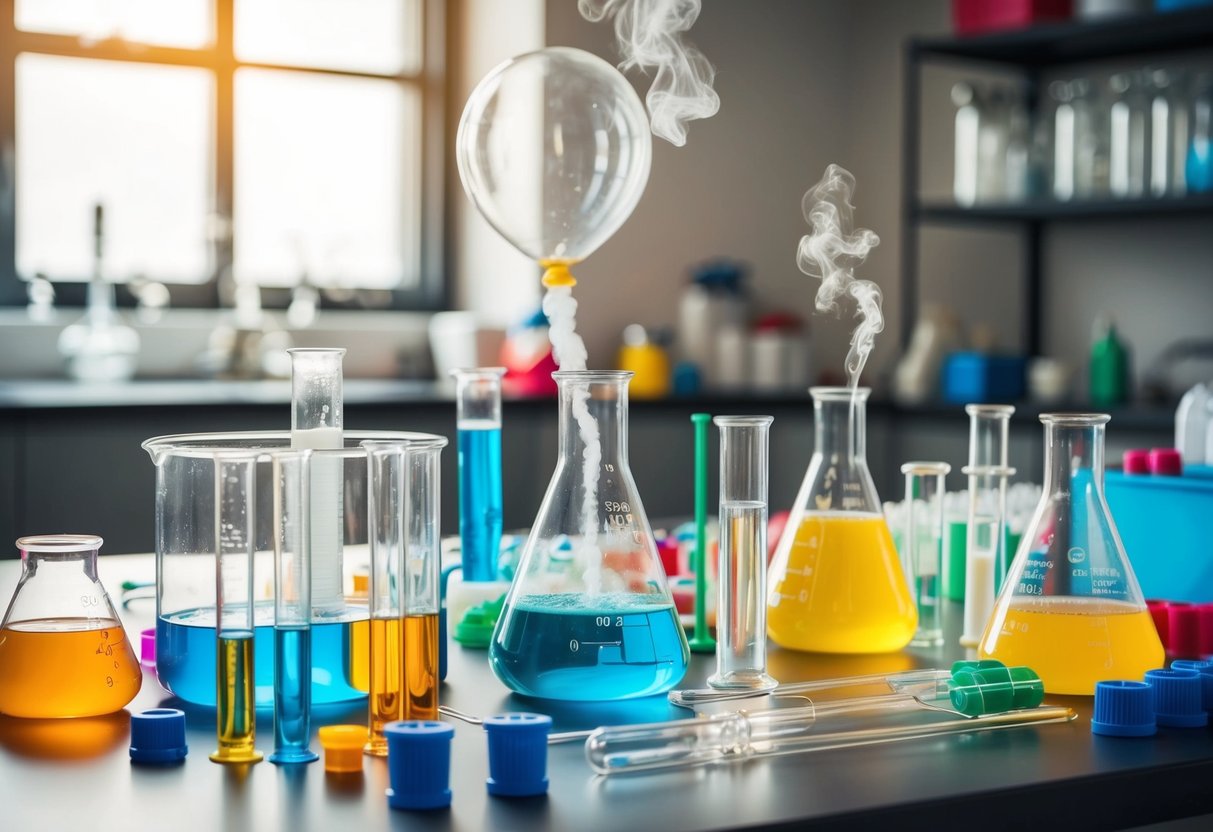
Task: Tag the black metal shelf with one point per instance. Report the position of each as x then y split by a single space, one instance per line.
946 213
1076 42
1029 52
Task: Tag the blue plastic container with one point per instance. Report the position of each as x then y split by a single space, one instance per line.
1164 524
978 378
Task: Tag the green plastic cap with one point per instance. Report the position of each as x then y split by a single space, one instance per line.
984 664
994 690
476 627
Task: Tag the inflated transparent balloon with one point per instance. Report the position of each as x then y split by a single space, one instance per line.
554 149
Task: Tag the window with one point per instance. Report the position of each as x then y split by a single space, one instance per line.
229 142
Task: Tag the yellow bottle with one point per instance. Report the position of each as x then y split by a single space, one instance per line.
836 584
1071 608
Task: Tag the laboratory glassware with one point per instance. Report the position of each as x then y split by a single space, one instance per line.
922 546
292 609
1198 162
701 638
1129 136
421 579
387 486
835 584
737 736
1064 149
478 419
554 149
985 535
185 564
589 615
741 632
317 398
1168 133
235 519
1071 608
968 123
63 651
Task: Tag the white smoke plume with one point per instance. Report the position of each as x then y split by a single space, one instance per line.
831 252
650 36
569 351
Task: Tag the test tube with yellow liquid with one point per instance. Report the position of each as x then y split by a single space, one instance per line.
420 580
235 542
835 584
387 483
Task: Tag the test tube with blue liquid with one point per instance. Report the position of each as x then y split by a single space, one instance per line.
292 609
478 418
235 542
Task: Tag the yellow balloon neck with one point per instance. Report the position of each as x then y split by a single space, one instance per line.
558 274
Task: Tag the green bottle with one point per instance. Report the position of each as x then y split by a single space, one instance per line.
1109 366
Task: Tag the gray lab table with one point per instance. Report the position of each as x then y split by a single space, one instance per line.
75 774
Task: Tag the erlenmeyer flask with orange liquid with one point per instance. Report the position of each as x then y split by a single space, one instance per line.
63 652
1070 607
836 584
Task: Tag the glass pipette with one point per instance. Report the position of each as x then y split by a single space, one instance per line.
733 737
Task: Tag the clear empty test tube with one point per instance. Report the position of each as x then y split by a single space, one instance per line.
741 611
985 541
419 594
316 424
387 487
235 542
292 609
478 418
922 546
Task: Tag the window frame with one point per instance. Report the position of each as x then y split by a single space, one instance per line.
219 58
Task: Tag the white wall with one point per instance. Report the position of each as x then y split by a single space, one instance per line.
803 84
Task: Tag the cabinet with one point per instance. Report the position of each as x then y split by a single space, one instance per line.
1033 53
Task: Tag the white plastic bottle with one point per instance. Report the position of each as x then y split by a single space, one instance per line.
1192 424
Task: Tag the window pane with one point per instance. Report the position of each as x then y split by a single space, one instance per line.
184 23
382 36
328 180
133 137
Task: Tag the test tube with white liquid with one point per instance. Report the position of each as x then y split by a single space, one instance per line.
985 543
292 609
922 546
741 612
316 424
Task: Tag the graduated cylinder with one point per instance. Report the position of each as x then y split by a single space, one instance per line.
741 612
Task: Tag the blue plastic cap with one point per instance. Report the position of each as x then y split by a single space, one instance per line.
1205 669
419 764
1123 709
1177 695
518 754
158 736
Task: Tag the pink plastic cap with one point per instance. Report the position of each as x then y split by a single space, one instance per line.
1158 611
1137 461
147 648
1205 614
1183 630
1166 462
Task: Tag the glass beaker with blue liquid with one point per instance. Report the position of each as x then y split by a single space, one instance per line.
185 562
589 615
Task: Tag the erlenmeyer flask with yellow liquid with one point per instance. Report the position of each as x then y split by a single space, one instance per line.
1070 607
836 584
